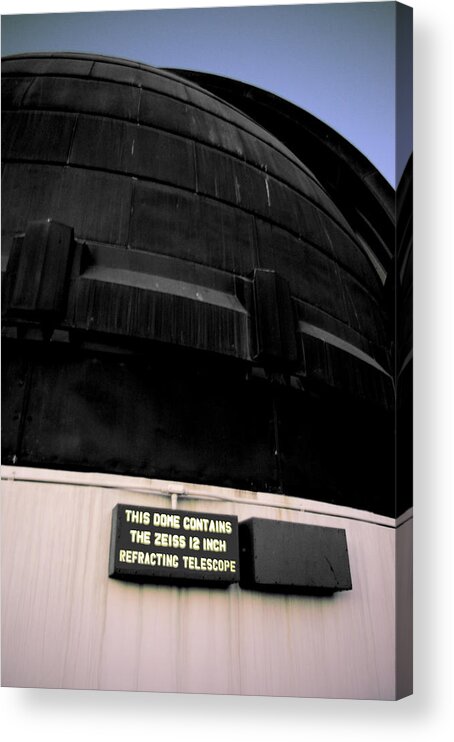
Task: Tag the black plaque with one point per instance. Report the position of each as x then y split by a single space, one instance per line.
173 546
277 556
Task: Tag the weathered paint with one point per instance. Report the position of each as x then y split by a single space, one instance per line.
65 624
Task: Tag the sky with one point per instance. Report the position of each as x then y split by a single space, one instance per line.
337 61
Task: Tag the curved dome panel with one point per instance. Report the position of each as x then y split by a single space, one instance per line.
145 215
139 159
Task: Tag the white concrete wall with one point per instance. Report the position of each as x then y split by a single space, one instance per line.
65 624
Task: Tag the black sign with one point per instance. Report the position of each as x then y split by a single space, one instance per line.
173 546
278 556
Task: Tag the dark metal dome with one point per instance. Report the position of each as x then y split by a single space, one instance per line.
145 215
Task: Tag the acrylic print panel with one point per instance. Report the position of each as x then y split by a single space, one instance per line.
207 350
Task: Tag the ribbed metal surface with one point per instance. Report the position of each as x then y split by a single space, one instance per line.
137 158
165 415
403 287
359 191
168 355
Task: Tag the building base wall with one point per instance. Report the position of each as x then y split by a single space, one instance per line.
66 624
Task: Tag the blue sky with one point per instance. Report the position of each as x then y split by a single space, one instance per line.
336 60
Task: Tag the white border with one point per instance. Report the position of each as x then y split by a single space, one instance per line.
75 715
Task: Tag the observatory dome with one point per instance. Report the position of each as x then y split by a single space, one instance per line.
186 296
